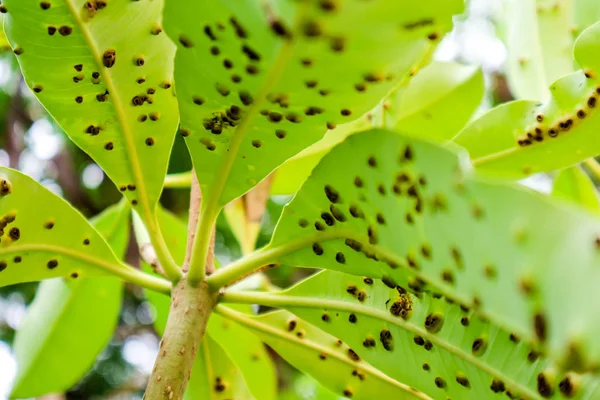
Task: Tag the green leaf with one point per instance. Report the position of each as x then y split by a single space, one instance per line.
305 387
43 237
215 376
242 347
104 74
248 353
538 39
438 102
358 310
260 82
70 321
520 138
586 13
322 356
401 210
572 184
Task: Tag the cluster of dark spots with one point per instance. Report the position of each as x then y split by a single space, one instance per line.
93 130
102 97
440 382
65 30
544 386
479 346
219 385
434 322
223 120
402 306
387 341
463 381
312 110
369 342
109 58
353 356
497 386
359 374
5 187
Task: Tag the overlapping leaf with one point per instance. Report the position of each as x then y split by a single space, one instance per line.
43 237
323 356
103 70
401 210
258 82
428 343
58 341
520 138
572 184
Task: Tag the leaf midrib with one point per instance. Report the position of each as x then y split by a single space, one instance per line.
268 329
131 151
290 300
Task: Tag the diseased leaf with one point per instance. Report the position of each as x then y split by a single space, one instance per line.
521 138
104 71
401 210
438 101
43 237
259 82
322 356
242 347
58 341
572 184
538 37
215 376
427 343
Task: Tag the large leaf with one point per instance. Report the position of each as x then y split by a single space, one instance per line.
258 82
389 328
43 237
523 137
104 71
538 38
215 376
572 184
70 321
322 356
401 210
438 102
242 347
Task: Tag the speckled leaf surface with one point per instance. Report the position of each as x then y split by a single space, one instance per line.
572 184
438 101
241 346
335 365
58 341
401 210
520 138
215 376
258 82
459 356
44 237
103 70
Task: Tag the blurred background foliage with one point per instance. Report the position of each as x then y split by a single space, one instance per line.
31 142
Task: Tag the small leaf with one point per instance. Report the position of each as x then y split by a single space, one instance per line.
357 310
322 356
573 185
260 82
104 73
438 101
215 376
521 138
401 210
58 341
538 38
43 237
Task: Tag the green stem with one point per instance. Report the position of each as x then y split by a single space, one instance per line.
188 316
201 243
181 180
244 266
287 301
